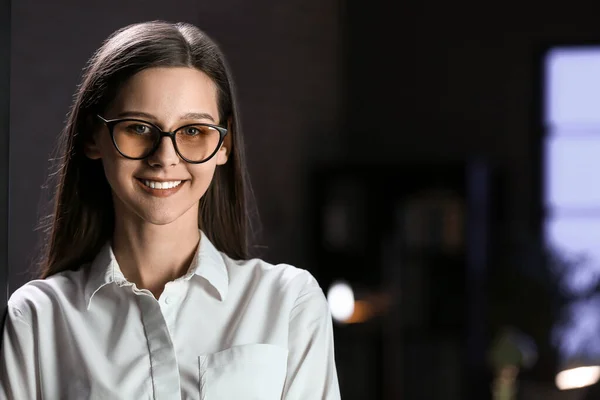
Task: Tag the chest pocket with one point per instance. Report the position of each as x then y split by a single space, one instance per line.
249 372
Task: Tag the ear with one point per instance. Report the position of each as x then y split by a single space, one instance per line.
223 153
91 149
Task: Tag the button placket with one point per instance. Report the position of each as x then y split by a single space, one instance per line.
170 294
168 304
165 378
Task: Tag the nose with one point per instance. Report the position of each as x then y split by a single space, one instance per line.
165 155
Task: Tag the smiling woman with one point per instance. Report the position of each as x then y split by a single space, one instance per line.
147 288
139 158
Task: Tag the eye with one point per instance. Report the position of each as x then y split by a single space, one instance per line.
137 129
140 129
191 131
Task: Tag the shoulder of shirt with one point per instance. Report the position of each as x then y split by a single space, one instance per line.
41 295
288 279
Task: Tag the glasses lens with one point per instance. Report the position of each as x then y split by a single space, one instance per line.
135 139
197 142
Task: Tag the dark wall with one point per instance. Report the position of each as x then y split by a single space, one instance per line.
286 61
441 81
4 144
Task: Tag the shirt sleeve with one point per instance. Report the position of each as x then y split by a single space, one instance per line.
311 366
17 359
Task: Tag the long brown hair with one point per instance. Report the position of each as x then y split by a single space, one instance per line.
82 218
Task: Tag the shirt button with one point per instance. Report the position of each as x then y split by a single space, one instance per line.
167 300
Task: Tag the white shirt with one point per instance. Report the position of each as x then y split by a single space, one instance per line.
234 330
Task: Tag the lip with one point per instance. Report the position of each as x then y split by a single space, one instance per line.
159 179
161 192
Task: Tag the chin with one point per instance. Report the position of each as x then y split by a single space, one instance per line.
161 218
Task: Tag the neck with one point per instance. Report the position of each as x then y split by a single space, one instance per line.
151 255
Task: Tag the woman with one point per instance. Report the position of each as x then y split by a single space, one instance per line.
147 290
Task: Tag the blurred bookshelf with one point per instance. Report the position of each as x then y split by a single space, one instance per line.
417 237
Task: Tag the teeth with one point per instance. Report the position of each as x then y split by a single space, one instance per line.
161 185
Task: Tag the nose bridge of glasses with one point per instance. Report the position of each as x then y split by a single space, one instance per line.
166 144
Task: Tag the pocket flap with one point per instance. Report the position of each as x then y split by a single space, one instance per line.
248 353
249 372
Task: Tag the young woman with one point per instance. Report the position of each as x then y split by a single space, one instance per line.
147 290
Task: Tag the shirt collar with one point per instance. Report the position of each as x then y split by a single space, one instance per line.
207 263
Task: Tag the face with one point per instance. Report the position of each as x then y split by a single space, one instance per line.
169 98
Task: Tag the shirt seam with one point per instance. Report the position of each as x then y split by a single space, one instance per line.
307 290
18 316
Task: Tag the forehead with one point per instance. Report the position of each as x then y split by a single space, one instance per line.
168 93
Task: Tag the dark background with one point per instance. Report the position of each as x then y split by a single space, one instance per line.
392 98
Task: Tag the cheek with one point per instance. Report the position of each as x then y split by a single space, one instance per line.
118 172
116 168
202 175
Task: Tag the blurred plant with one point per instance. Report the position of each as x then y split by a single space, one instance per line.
511 350
535 287
577 323
576 331
566 273
562 305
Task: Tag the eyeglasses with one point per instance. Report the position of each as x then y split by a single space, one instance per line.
137 139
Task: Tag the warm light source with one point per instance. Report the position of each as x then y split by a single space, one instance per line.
341 301
577 377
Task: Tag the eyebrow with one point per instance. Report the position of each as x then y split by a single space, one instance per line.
140 114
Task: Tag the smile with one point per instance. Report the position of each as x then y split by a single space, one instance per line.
160 189
161 185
